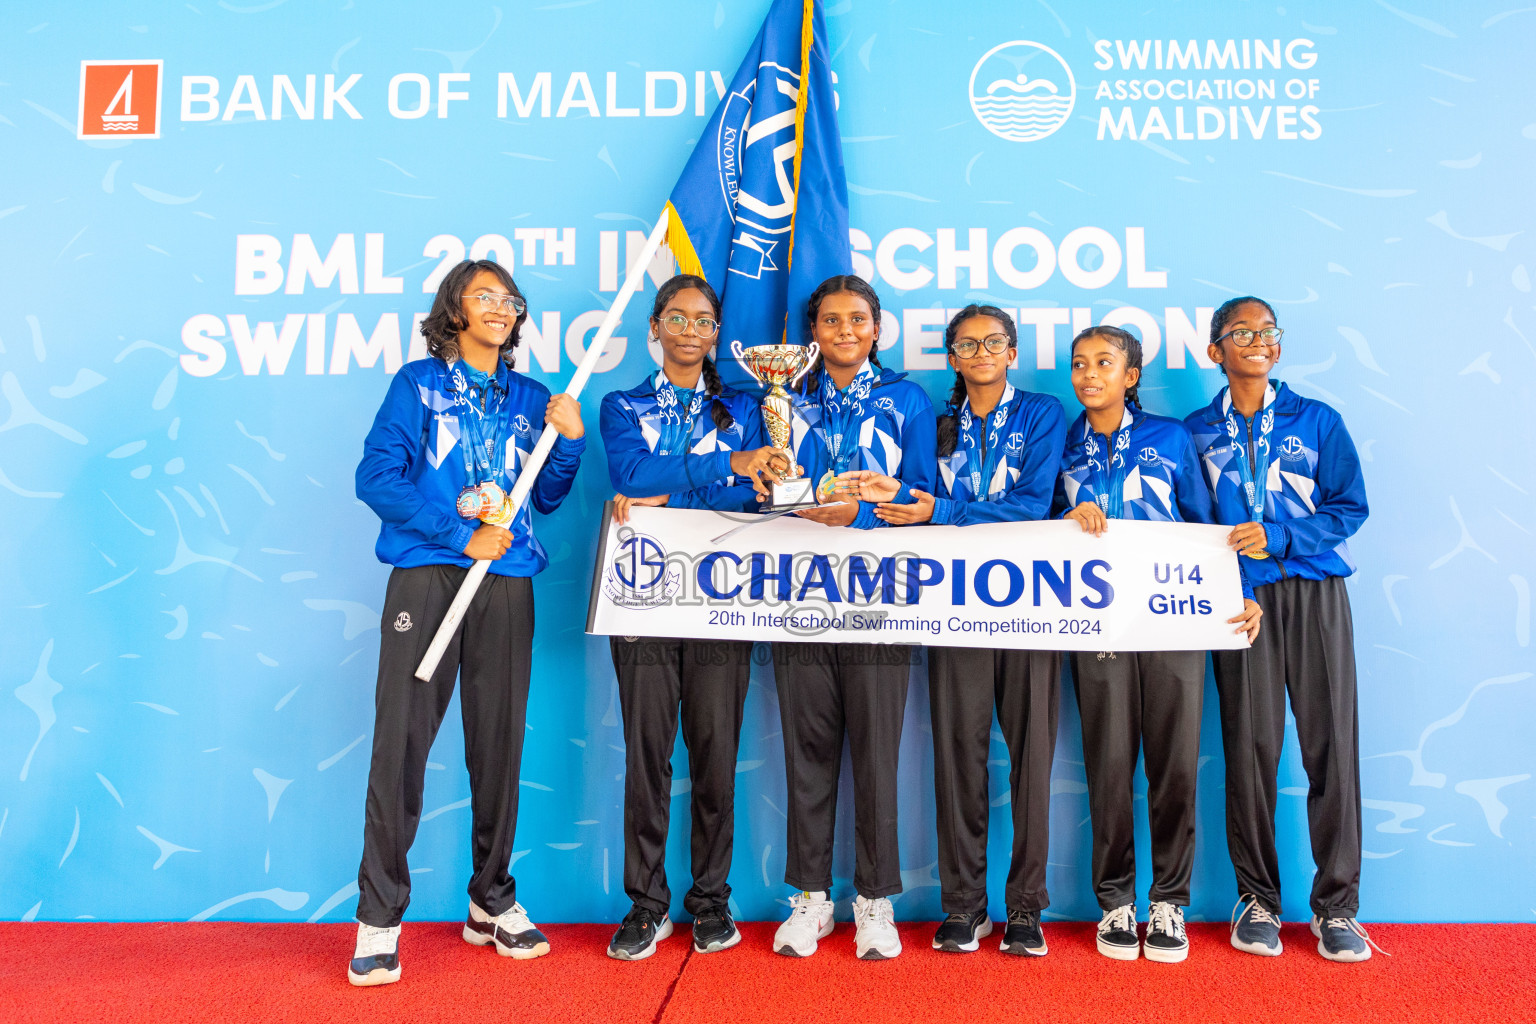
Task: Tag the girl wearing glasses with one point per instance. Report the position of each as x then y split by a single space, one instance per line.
1123 463
1287 478
851 414
681 439
999 449
443 453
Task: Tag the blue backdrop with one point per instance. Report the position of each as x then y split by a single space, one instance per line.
195 331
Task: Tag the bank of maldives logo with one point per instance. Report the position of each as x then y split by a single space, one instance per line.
638 574
119 99
1022 91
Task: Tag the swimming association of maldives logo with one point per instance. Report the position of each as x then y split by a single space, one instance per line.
639 575
119 99
1022 91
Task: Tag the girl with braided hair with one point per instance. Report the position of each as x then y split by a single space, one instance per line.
664 448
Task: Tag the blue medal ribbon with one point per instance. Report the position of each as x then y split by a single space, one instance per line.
1255 478
1107 465
841 413
679 408
482 424
983 468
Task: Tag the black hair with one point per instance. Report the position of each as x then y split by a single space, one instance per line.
853 284
1126 342
712 386
949 423
1227 312
446 321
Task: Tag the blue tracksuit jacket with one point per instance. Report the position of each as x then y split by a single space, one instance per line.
1314 495
413 470
631 427
896 436
1027 430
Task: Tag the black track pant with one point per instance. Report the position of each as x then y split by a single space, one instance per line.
491 655
707 681
1306 647
826 692
964 684
1148 701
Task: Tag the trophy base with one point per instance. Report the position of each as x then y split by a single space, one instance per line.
788 495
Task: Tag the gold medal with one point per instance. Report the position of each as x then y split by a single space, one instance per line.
826 488
1261 553
491 498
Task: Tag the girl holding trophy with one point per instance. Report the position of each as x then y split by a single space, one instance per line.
851 414
682 439
437 465
1123 463
999 449
1286 476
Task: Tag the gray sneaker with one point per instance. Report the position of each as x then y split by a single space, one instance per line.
1254 929
1342 940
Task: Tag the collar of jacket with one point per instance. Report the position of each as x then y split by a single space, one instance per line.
1286 401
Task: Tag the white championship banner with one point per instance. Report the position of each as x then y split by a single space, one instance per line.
1044 586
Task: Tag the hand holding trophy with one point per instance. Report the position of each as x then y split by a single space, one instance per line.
774 366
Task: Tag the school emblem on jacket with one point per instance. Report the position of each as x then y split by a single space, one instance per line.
1148 456
520 425
885 404
403 622
1292 449
1015 443
639 575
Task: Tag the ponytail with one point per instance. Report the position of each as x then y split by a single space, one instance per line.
1126 342
717 409
949 423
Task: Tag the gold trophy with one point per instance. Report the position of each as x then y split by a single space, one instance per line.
774 366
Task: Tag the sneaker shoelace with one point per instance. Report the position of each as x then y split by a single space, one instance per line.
373 941
877 913
1166 918
1025 917
804 909
513 920
1349 924
1121 919
1255 911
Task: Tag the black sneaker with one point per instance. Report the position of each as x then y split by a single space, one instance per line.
1023 936
1166 942
1254 929
637 936
1342 940
376 959
713 930
1117 933
511 932
962 933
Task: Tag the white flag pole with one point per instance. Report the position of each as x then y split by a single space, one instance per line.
541 450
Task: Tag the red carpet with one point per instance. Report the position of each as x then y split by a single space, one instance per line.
136 973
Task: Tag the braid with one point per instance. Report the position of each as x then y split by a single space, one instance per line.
949 423
717 409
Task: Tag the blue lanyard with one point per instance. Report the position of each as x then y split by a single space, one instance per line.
1254 479
986 441
1107 465
842 412
679 408
481 422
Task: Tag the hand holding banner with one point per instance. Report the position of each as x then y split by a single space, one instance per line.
1036 586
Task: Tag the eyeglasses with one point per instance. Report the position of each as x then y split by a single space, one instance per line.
1243 337
495 300
997 344
704 327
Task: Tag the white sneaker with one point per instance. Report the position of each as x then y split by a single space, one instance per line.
1166 941
810 921
875 937
511 931
376 960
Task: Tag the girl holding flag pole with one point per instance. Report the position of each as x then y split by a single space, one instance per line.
444 450
682 439
1284 473
1123 463
851 414
999 450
